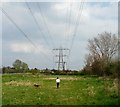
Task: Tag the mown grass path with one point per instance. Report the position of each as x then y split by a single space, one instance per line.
19 89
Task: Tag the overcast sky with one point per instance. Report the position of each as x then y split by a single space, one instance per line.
57 23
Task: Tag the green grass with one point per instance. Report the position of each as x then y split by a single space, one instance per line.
18 89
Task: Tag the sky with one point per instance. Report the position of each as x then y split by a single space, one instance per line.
52 26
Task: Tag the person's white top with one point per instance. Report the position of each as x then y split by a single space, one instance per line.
57 80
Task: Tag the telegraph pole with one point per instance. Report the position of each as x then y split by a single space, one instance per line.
61 57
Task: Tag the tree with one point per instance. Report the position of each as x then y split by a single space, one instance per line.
101 51
104 46
20 66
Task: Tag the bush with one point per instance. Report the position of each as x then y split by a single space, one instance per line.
102 69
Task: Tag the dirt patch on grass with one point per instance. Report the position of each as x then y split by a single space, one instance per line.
63 78
20 83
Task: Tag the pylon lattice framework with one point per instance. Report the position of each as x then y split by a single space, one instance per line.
61 56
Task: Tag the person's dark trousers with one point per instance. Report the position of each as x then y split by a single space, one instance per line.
57 85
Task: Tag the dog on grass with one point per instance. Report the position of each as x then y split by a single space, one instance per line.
37 86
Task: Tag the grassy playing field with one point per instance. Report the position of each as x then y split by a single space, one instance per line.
19 89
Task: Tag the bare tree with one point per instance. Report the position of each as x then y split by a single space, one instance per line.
101 50
104 46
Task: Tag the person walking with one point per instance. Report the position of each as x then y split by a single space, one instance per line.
58 82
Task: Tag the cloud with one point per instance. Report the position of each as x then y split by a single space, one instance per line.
27 48
96 18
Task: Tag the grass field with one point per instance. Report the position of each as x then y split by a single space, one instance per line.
19 89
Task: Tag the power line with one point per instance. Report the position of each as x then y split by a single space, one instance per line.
76 27
43 17
76 24
39 28
18 27
69 21
68 15
24 34
66 24
68 27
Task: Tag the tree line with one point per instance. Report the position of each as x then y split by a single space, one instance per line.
101 60
18 67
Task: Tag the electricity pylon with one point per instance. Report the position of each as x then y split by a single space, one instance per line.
61 58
